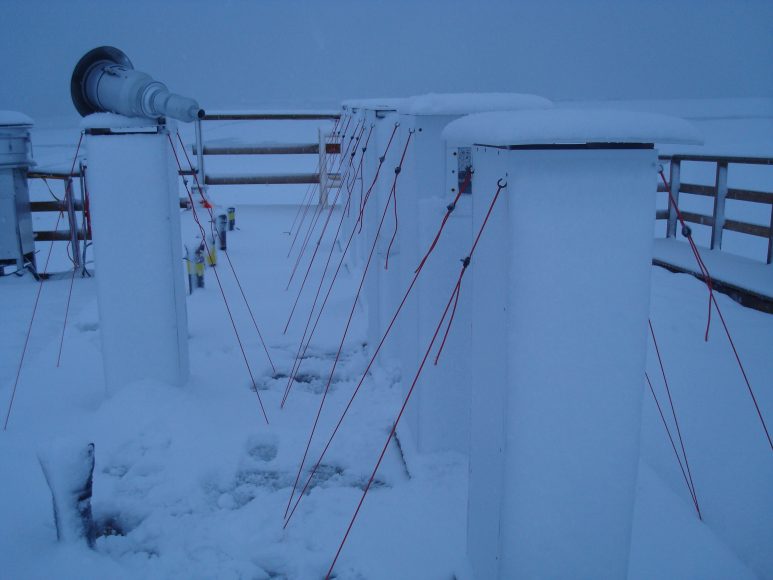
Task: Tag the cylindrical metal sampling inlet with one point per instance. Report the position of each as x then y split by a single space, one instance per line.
222 229
104 80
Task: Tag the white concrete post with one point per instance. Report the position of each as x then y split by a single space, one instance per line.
561 284
438 415
135 217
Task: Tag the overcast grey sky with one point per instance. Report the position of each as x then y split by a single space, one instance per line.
231 53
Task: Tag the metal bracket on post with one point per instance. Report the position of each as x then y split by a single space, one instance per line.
323 176
719 206
84 220
674 184
69 200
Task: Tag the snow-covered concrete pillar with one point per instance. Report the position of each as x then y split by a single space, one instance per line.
438 415
560 301
132 182
381 115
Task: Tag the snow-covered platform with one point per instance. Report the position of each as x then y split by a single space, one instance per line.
747 281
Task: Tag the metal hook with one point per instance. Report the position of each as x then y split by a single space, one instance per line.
501 184
397 124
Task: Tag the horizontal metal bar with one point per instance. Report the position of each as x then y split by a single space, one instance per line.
732 192
719 159
661 214
62 236
271 116
266 179
62 175
750 229
43 206
290 149
698 218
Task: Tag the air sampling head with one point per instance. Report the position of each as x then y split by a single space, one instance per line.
104 80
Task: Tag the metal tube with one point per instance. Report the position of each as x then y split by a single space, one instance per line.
719 207
222 228
73 224
674 182
200 153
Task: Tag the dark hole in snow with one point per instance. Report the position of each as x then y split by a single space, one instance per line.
109 526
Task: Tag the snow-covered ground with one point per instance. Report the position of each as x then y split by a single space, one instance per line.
199 483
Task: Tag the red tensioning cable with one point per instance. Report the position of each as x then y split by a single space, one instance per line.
673 446
673 414
338 355
348 323
37 301
391 194
68 193
381 160
29 329
322 235
500 186
302 349
220 285
313 189
712 299
313 225
308 189
231 266
375 354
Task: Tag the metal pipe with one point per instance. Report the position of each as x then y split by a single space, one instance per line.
105 80
222 228
264 179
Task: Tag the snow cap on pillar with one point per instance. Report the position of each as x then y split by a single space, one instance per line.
375 104
569 127
456 104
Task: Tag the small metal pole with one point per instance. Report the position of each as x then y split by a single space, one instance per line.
200 154
719 206
323 185
84 223
191 269
69 200
222 228
231 219
770 238
199 263
674 183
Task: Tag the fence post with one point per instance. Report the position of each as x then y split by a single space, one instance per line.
770 237
719 206
674 183
69 200
200 155
323 177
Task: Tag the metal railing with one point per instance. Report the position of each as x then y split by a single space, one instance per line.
323 147
69 206
720 192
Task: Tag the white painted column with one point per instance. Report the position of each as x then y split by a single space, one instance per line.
561 286
135 216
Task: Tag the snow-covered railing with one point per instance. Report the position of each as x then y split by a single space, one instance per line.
720 192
